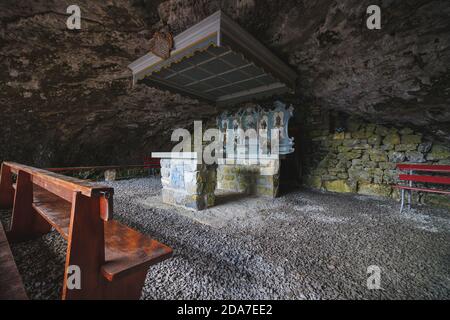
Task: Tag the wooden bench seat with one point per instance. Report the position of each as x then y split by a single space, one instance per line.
53 209
11 285
125 248
112 257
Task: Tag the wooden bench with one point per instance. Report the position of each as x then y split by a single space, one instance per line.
411 177
113 258
11 285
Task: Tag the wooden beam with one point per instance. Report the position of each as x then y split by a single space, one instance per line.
25 223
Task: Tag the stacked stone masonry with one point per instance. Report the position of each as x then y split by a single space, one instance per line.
260 179
188 183
361 157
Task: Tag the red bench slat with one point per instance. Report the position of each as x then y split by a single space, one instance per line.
442 179
152 164
424 167
420 178
422 189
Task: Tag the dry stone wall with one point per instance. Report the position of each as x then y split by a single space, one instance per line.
188 183
260 179
356 156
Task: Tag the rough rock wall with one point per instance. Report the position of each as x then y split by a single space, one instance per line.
66 96
399 74
66 99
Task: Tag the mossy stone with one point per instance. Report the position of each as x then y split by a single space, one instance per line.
338 186
360 134
342 175
374 189
358 173
355 154
377 155
411 139
405 147
339 136
439 152
387 165
374 140
313 182
392 139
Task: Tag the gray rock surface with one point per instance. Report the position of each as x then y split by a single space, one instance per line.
66 97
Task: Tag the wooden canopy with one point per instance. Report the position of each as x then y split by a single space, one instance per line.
218 61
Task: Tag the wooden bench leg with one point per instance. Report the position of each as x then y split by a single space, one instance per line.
86 248
127 287
6 188
26 224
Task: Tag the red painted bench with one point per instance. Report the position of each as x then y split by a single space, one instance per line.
411 177
152 163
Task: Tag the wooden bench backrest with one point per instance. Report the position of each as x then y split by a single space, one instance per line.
64 186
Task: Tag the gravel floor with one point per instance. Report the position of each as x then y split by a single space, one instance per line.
303 245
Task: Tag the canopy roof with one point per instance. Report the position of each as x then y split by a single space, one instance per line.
218 61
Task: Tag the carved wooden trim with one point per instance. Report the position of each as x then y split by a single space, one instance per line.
161 44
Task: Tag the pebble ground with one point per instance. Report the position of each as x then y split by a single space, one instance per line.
302 245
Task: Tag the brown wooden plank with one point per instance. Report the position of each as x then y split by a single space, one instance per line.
11 284
60 183
57 213
126 287
106 207
51 186
126 248
85 248
6 190
58 188
121 254
25 223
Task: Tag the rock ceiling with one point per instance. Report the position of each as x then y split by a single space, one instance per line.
66 96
